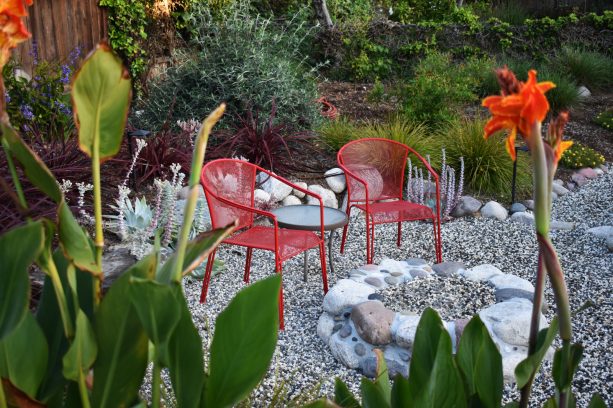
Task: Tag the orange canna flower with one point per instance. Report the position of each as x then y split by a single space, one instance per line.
12 29
554 136
518 108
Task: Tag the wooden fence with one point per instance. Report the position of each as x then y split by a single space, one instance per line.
58 26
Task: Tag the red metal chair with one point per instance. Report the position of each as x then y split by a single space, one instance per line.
228 186
375 169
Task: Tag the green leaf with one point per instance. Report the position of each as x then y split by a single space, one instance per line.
75 242
83 350
563 371
33 167
122 342
322 403
157 306
435 379
101 97
243 344
480 363
531 364
597 402
18 249
372 397
197 251
382 381
550 403
343 397
400 392
185 360
23 356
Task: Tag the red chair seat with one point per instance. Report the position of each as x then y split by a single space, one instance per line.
397 211
291 242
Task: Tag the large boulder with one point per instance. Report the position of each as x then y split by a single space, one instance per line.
327 196
278 190
466 205
346 294
336 180
373 322
492 209
510 321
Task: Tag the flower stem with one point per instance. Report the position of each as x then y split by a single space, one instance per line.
99 238
83 391
14 176
156 380
54 275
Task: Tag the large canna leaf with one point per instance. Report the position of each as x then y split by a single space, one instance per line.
122 342
243 344
400 392
101 97
372 397
82 352
480 364
197 251
33 167
23 356
343 397
75 242
18 249
531 364
564 369
597 402
185 360
435 379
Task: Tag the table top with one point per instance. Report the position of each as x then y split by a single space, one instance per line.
306 217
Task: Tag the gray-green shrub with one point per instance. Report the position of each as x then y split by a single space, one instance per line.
588 68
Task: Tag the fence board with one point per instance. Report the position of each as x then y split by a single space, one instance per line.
58 26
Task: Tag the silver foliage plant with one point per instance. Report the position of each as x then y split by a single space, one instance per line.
424 192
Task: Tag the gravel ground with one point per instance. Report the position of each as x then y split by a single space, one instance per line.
303 365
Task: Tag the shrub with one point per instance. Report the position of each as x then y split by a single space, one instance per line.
335 134
591 69
578 156
605 119
488 169
350 11
511 12
412 11
163 150
244 60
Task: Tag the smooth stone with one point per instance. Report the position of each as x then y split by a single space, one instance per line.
376 282
529 204
571 186
559 182
327 196
337 327
358 272
369 268
588 173
610 243
404 329
390 280
261 196
603 231
396 274
419 273
291 200
345 331
416 262
325 327
360 349
466 206
369 367
517 208
299 193
492 209
579 179
404 356
335 178
508 281
599 171
583 92
373 322
447 269
384 271
510 320
523 218
481 273
343 351
115 261
277 189
562 225
554 196
346 294
559 189
391 265
505 294
376 296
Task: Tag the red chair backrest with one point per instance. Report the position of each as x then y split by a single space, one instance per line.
232 180
380 163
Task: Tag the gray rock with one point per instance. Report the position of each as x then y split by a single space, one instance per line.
559 182
517 207
529 204
404 330
583 92
335 178
115 261
561 225
336 327
446 269
419 273
327 196
579 179
404 356
345 331
369 268
343 351
376 296
376 282
610 243
492 209
373 322
508 281
299 193
604 231
291 200
391 265
523 218
559 189
554 196
368 366
346 294
599 171
588 173
416 262
325 327
481 273
391 280
396 274
466 205
360 349
278 190
261 196
510 320
571 186
502 295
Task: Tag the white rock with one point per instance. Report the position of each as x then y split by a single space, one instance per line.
183 194
510 361
336 180
346 293
492 209
277 189
599 171
507 281
299 193
481 273
344 351
560 189
510 321
523 217
261 196
392 265
604 231
325 325
559 182
327 196
404 328
291 200
583 92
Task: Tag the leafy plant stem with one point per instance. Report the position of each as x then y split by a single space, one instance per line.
198 160
99 239
83 391
14 176
51 269
156 380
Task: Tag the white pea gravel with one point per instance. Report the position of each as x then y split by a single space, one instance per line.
303 362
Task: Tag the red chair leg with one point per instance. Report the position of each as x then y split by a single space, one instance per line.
367 238
281 320
372 242
247 265
324 273
439 243
399 234
345 232
207 276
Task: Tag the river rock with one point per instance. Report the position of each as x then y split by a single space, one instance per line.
481 273
510 320
404 329
588 173
560 190
345 294
277 189
373 322
343 351
523 217
466 205
291 200
508 281
502 295
327 196
492 209
604 231
261 196
517 207
447 269
335 178
579 179
299 193
325 327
